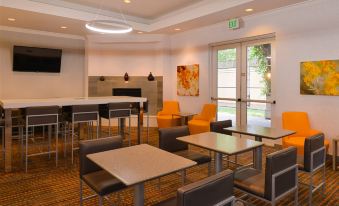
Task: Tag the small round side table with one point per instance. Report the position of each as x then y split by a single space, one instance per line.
335 152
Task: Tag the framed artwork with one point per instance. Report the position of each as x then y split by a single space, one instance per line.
188 80
319 77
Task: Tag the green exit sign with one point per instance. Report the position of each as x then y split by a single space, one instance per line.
233 23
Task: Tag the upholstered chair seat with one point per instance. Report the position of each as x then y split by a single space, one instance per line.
167 118
201 123
298 122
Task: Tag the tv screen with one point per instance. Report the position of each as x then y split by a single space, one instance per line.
32 59
132 92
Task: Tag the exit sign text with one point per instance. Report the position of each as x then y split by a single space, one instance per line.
233 23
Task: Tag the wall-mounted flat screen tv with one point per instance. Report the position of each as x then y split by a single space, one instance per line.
32 59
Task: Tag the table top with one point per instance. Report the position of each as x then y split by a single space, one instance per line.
264 132
222 143
140 163
67 101
184 114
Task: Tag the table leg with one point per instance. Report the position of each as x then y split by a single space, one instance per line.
334 154
140 123
121 127
218 162
259 139
257 158
139 194
8 140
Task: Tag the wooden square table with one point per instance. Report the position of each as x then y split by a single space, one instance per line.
225 144
137 164
260 132
185 117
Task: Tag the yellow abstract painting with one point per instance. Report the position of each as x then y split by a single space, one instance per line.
320 77
188 80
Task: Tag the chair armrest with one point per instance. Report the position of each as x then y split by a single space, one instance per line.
198 117
312 132
161 113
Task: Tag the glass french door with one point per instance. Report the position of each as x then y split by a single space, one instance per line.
242 82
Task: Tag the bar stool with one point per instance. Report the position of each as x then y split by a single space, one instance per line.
136 111
81 114
120 111
42 116
2 128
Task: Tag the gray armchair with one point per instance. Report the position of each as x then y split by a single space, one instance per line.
213 190
168 141
100 181
313 161
279 179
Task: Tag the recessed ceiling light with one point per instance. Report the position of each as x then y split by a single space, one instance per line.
248 10
140 32
177 29
11 19
63 27
127 1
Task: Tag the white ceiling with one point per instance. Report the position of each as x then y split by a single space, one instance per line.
148 9
149 16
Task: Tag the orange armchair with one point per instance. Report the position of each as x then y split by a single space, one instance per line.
165 118
299 122
201 123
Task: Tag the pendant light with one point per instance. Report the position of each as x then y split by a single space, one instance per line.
109 26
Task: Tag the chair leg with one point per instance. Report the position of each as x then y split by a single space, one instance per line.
310 190
81 193
296 197
72 142
129 130
183 177
65 138
49 140
56 144
159 183
323 182
209 169
147 128
100 200
109 126
26 153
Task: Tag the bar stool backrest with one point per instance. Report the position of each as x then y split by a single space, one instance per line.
314 152
83 113
120 109
136 107
42 115
220 125
280 173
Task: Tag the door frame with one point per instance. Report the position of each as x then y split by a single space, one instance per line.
241 74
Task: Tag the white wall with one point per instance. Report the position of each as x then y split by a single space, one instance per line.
70 82
110 55
306 31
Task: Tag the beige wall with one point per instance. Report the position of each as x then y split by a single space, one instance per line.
70 82
300 36
138 55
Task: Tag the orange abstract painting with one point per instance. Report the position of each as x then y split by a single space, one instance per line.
188 80
320 77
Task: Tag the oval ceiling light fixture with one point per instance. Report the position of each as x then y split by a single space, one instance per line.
109 27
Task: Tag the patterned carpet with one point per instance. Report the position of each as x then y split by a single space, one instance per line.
45 184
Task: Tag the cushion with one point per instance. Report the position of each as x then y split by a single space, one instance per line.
250 180
194 156
102 182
